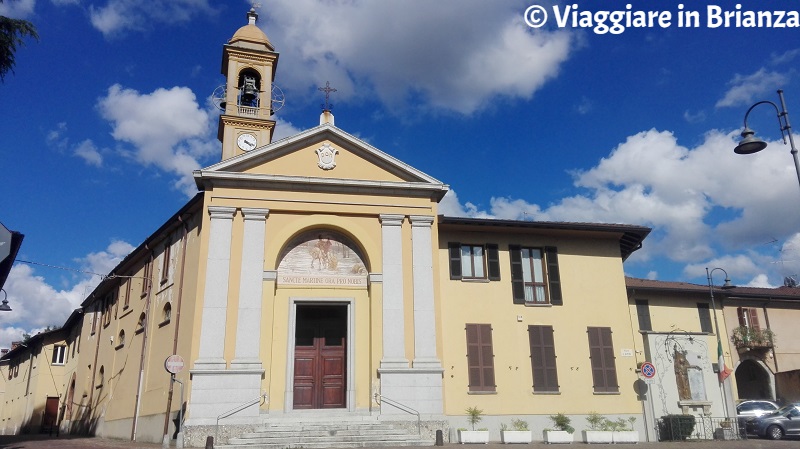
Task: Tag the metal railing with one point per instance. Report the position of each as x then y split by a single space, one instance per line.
689 427
380 399
236 410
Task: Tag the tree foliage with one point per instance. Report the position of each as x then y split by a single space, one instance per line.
12 34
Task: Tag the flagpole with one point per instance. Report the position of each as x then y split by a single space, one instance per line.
723 370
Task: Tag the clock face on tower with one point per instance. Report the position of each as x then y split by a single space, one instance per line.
246 141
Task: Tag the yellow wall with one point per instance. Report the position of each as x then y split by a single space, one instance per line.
594 295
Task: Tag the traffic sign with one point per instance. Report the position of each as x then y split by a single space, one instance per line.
648 370
174 364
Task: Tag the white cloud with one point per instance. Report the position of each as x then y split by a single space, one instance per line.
167 128
87 151
746 88
700 201
36 304
120 16
694 117
17 9
414 52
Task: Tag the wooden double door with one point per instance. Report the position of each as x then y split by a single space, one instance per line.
320 356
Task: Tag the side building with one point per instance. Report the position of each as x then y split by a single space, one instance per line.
680 331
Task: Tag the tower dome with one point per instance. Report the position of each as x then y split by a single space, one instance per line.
250 35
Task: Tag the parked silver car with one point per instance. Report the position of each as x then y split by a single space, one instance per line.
775 425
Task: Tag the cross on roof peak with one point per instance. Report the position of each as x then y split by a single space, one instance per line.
327 89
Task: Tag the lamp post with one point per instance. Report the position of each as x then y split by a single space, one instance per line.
750 144
4 307
720 358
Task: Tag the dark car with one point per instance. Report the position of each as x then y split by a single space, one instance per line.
784 421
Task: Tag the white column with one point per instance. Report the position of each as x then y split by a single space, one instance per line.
215 299
424 313
248 329
393 319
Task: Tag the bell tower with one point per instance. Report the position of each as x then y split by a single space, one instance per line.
248 62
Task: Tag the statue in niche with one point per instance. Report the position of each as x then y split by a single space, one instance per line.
682 374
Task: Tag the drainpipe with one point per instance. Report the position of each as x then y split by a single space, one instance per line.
184 240
145 325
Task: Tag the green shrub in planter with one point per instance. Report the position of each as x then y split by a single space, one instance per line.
675 427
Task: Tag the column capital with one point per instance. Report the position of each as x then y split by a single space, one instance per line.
391 219
221 212
421 220
252 213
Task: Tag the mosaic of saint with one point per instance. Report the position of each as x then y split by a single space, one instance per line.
322 258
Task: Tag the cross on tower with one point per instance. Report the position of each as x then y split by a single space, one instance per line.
327 89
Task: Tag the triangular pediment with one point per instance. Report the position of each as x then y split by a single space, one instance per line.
321 158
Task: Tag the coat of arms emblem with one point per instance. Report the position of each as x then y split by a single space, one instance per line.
327 156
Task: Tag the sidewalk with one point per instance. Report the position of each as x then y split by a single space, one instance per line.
68 442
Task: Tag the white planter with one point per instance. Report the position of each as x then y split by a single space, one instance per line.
473 436
516 436
557 436
598 436
626 436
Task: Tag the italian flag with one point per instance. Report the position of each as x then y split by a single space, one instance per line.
724 371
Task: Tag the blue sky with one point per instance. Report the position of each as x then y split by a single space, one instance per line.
108 113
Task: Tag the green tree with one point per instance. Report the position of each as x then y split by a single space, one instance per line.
12 32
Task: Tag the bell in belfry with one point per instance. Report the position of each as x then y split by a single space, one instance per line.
249 92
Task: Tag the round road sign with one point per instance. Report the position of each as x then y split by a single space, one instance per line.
174 364
648 370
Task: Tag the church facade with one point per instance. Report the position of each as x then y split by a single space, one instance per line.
315 277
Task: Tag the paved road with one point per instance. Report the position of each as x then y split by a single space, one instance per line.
44 442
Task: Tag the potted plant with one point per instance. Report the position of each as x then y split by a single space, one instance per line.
623 431
599 430
519 432
474 416
563 429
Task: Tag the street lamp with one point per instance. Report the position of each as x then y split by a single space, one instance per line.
750 144
720 357
4 307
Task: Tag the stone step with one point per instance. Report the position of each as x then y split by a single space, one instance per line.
326 445
299 433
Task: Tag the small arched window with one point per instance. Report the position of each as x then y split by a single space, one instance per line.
166 314
121 339
140 324
101 378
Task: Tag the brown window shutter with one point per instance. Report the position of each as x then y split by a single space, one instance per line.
493 259
553 275
454 249
543 358
753 315
643 312
740 312
517 282
601 353
480 359
705 318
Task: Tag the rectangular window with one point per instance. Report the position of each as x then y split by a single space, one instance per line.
148 273
543 359
127 302
474 261
643 312
601 354
165 262
94 316
480 358
59 354
535 277
748 317
705 318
